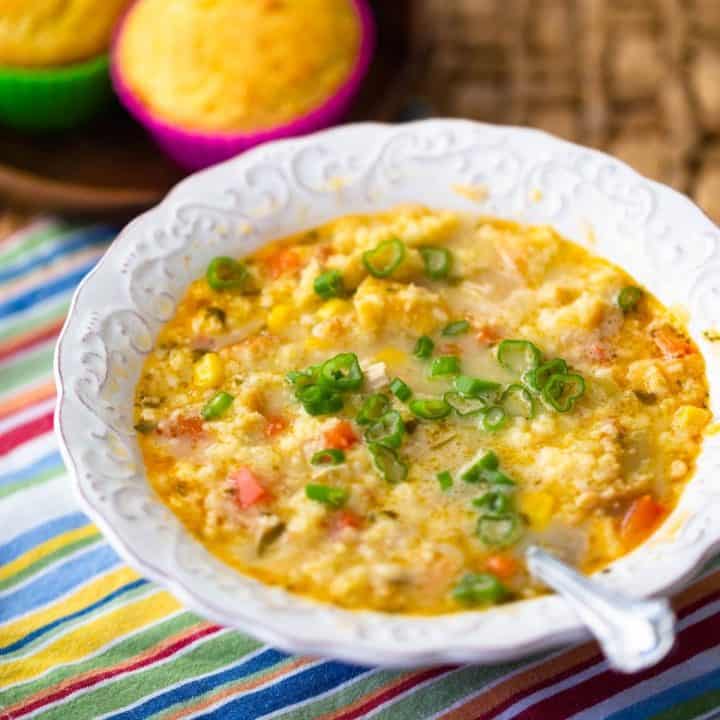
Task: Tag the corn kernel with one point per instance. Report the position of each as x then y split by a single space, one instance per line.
538 507
317 343
279 317
208 371
691 418
333 308
391 356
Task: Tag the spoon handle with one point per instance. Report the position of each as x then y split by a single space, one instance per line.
633 634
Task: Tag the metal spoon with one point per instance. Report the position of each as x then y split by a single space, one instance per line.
633 634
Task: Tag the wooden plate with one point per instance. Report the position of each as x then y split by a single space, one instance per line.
113 168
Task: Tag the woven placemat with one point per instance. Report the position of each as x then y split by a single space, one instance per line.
639 78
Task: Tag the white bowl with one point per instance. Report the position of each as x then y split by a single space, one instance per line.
655 233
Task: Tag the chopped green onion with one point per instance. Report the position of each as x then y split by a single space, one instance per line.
518 356
329 456
437 260
537 378
518 402
496 477
400 389
303 378
319 400
475 387
499 530
329 284
341 373
387 431
332 496
465 406
457 327
374 407
144 427
383 260
495 502
430 408
483 463
387 463
628 298
423 347
479 589
224 273
217 406
563 390
445 365
493 419
445 480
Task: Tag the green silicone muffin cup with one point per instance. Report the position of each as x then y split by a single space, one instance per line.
54 98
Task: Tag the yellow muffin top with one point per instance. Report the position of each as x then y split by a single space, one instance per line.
45 33
237 65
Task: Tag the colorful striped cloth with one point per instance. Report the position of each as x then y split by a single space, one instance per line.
83 636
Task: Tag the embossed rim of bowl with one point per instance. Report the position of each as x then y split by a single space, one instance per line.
655 232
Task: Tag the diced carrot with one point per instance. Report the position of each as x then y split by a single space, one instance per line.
504 566
275 424
248 489
190 426
340 436
450 349
487 335
671 343
281 261
599 353
346 519
641 518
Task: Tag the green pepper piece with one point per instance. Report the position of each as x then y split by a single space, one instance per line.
479 589
518 356
374 407
387 463
518 402
465 406
437 261
628 298
329 284
341 373
329 456
387 431
475 387
400 389
499 530
444 365
217 406
485 461
445 480
384 259
319 400
224 273
423 347
332 496
563 390
493 419
537 378
430 408
457 327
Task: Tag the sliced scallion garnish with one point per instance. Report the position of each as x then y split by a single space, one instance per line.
430 408
384 259
400 389
333 496
437 261
518 356
444 365
329 456
457 327
329 284
217 406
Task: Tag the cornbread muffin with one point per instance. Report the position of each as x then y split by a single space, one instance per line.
237 65
49 33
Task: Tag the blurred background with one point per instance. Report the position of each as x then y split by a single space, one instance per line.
638 78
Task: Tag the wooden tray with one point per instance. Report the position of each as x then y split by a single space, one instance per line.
113 169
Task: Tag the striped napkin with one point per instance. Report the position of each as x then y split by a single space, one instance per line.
83 636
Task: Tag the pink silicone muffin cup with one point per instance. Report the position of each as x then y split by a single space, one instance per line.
195 150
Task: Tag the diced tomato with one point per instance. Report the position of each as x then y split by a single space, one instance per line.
641 518
450 349
248 489
599 353
671 343
343 519
340 436
281 261
275 424
487 335
504 566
